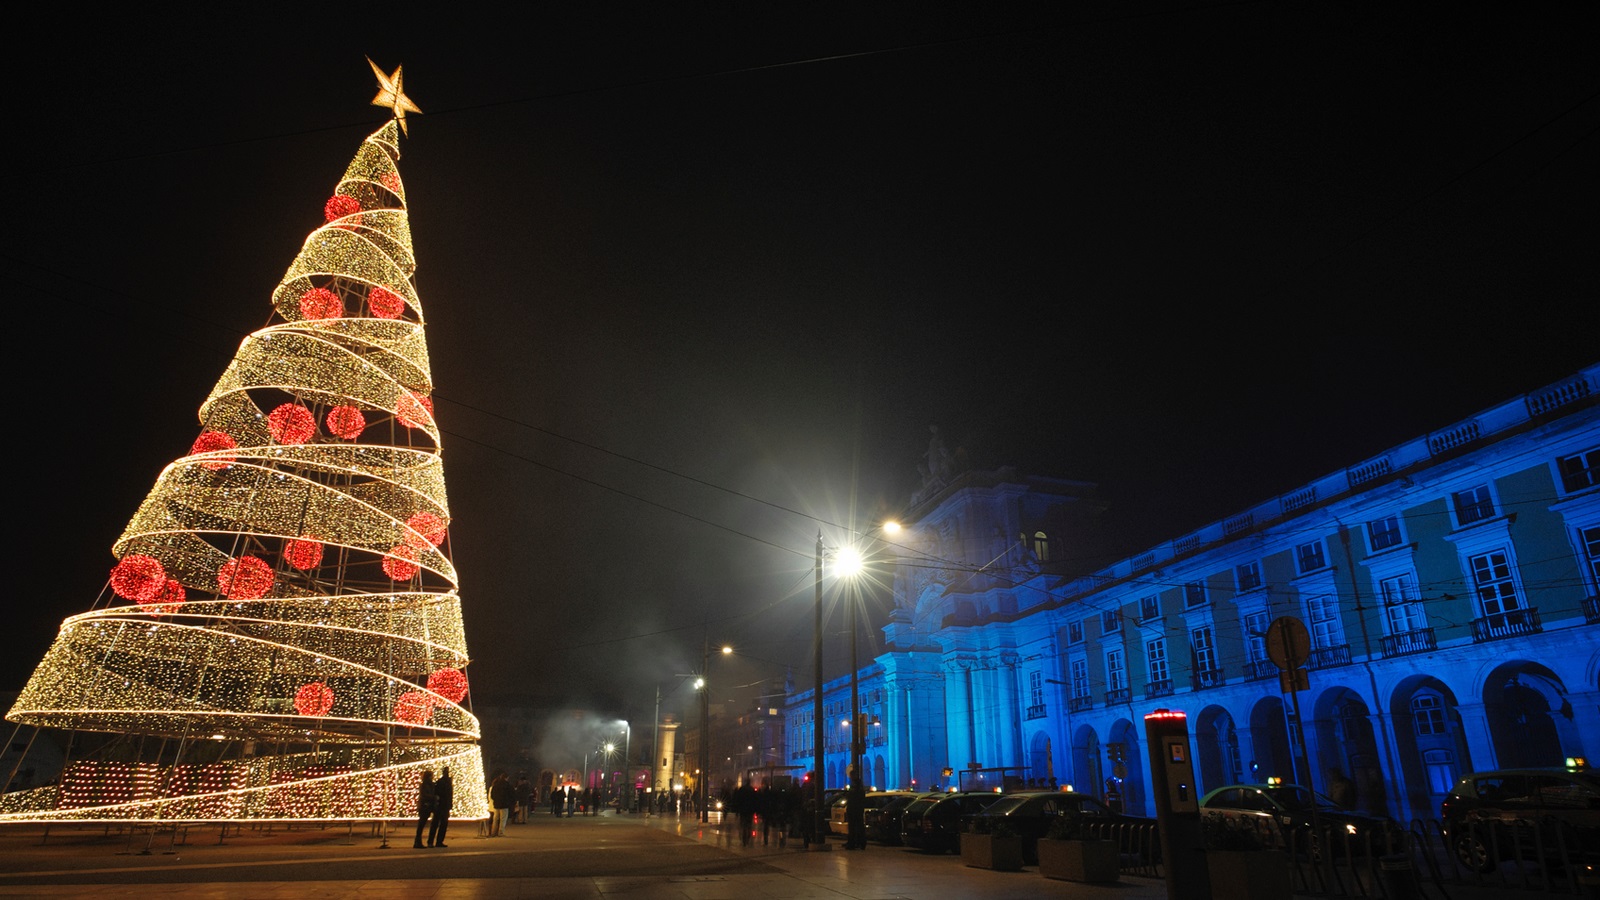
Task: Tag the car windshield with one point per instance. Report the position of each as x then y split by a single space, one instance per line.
1298 799
1005 806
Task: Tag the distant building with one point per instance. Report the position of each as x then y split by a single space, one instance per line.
1447 588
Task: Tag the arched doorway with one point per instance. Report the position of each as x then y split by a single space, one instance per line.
1529 716
1429 742
1086 770
1347 744
1217 748
880 776
1041 765
1269 742
1126 756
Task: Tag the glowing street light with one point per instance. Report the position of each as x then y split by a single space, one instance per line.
849 563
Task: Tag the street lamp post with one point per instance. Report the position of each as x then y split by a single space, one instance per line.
855 823
819 823
850 564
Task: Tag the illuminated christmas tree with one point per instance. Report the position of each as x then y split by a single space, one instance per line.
281 635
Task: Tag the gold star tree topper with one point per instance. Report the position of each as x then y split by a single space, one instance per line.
392 95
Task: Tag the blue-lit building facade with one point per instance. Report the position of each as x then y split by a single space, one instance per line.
1447 587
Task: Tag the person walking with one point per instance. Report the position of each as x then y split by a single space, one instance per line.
427 796
443 797
1341 790
524 798
501 796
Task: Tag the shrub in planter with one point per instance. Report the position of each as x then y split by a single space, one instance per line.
997 847
1241 861
1069 854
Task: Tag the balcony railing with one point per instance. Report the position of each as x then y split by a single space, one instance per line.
1118 695
1158 689
1258 669
1329 657
1419 641
1079 704
1208 678
1036 711
1500 626
1591 609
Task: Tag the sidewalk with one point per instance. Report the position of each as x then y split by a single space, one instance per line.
548 858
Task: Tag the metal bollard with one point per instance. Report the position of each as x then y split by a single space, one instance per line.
1399 877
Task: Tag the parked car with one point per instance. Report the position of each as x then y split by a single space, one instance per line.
1298 818
883 814
1545 815
839 811
937 827
1031 813
884 823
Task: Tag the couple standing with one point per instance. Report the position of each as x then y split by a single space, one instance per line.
433 803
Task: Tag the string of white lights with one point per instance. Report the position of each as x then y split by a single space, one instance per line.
290 634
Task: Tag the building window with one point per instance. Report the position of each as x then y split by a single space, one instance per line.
1401 604
1035 689
1075 632
1427 711
1310 557
1150 607
1255 635
1497 592
1590 538
1041 546
1204 645
1248 576
1384 533
1116 671
1473 505
1156 653
1326 630
1080 677
1441 769
1110 622
1581 470
1194 594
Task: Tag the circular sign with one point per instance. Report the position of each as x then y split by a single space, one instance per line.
1288 642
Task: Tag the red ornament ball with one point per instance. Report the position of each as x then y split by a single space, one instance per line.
401 563
413 708
450 684
314 699
210 442
321 303
291 423
138 578
339 206
415 409
167 600
346 422
423 529
303 553
384 303
245 578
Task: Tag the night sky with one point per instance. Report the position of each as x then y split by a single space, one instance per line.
698 282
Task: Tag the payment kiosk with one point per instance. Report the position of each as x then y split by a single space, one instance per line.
1177 804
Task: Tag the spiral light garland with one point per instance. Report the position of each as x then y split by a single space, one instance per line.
283 619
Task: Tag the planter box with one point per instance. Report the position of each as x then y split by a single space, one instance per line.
1249 874
1074 860
985 851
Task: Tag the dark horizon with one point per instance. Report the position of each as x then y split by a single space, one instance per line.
697 287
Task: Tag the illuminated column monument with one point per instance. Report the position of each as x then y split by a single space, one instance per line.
281 635
668 751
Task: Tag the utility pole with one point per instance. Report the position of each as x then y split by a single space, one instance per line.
705 731
655 756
